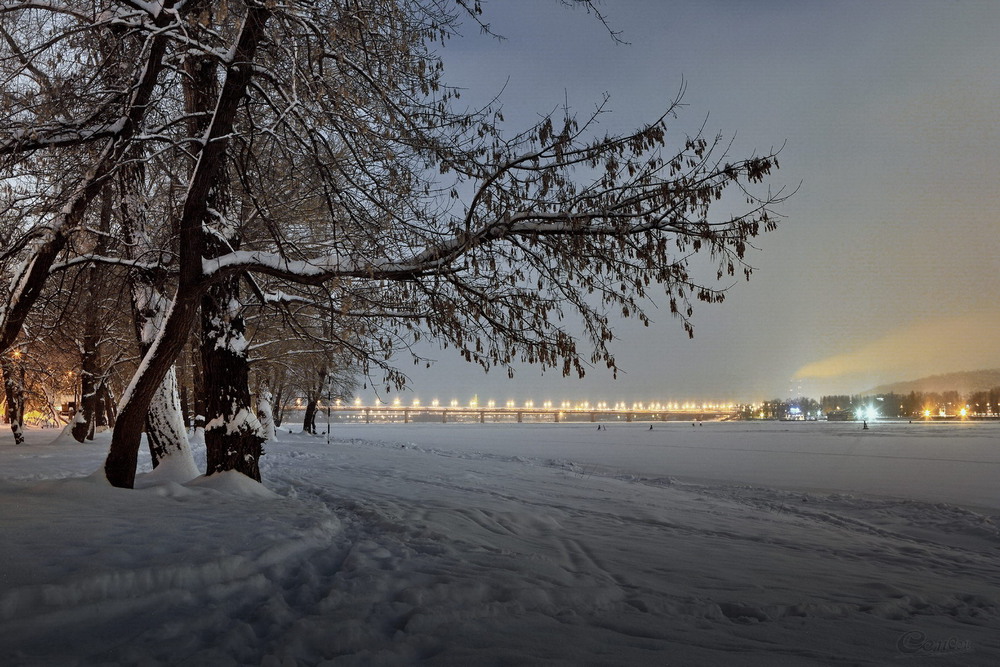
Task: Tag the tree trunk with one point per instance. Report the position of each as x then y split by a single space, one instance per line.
265 415
309 419
233 439
91 374
185 406
13 384
85 420
123 454
278 405
198 386
108 401
165 432
101 418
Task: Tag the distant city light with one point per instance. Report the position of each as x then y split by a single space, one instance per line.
867 413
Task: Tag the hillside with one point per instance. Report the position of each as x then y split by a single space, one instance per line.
963 382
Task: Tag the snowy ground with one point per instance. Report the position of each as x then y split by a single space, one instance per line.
724 544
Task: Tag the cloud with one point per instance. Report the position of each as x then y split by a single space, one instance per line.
926 348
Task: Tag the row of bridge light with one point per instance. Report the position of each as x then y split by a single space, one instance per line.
552 405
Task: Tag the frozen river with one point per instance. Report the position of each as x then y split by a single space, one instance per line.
957 462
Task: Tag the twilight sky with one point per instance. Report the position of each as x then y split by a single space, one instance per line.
886 265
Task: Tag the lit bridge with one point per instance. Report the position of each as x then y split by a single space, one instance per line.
519 414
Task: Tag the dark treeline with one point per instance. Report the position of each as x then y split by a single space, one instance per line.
912 405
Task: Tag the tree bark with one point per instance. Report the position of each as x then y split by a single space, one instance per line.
91 371
233 439
85 420
108 403
13 384
165 430
265 415
309 419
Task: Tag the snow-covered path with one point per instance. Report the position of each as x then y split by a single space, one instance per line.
462 545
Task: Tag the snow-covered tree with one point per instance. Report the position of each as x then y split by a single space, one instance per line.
14 393
316 148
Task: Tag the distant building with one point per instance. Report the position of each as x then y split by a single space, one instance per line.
840 416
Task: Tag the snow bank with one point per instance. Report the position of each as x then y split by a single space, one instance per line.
232 482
